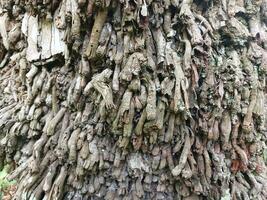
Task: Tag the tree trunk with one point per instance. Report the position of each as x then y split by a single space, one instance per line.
134 99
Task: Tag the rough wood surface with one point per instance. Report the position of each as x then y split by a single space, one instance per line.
134 99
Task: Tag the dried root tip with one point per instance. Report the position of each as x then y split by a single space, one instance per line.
247 123
115 80
95 34
33 71
140 124
225 128
49 177
187 146
72 145
127 129
151 101
56 191
51 127
169 133
99 82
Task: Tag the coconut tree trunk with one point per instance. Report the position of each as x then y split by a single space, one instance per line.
134 99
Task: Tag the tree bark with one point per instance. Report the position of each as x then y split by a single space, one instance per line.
134 99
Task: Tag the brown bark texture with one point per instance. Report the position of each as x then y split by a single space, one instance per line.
134 99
